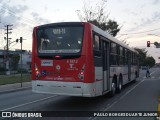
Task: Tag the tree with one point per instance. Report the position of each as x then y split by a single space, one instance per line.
145 60
142 53
96 15
112 27
150 61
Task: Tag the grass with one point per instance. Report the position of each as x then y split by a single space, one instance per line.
11 79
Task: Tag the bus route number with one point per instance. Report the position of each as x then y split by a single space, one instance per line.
59 31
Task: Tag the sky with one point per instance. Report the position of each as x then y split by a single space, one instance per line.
137 19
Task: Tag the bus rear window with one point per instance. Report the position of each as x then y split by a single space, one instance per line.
60 39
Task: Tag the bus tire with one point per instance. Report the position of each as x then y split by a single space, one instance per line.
119 85
113 89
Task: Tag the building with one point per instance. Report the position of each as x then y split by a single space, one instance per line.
15 60
26 59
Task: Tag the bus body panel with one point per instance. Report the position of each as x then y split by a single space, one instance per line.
68 67
67 88
78 76
61 76
67 70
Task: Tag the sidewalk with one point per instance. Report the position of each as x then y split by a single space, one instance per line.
16 86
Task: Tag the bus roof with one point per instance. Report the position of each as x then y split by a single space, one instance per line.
61 23
95 28
110 37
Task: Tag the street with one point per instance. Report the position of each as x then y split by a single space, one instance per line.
140 96
54 52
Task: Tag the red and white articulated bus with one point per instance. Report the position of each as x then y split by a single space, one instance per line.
79 59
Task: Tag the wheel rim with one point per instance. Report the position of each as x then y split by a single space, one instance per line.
120 85
113 87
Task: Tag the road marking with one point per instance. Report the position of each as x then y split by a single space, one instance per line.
153 72
28 103
110 105
123 96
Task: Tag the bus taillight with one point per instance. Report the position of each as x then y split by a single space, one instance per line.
81 74
37 72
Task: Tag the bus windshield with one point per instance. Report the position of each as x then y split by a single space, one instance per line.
60 39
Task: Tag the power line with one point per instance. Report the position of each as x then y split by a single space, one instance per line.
140 32
19 21
22 19
18 29
15 14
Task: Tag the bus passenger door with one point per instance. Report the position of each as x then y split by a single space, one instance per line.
105 57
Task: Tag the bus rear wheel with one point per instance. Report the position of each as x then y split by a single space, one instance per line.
119 87
113 89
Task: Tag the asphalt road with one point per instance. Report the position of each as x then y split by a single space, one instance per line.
140 96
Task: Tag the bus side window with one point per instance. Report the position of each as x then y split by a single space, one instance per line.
96 45
113 54
118 55
121 55
126 57
96 42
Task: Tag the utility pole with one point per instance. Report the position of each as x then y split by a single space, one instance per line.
7 50
21 41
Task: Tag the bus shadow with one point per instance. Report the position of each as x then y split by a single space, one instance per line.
69 103
78 103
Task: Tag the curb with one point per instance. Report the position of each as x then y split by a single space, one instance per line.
13 90
14 87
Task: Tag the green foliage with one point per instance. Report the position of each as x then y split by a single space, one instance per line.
11 79
142 56
103 25
111 26
150 61
145 60
23 70
97 16
2 68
